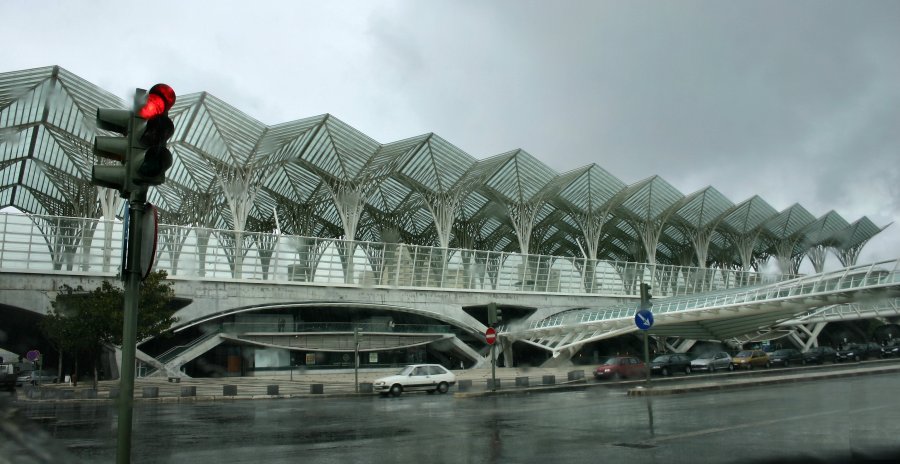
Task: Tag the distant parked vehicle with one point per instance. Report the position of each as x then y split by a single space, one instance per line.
668 364
859 351
36 377
785 357
619 367
819 355
748 359
8 379
891 349
712 361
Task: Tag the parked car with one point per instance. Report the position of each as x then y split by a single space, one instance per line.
428 377
36 377
891 348
620 367
748 359
785 357
667 364
712 361
820 354
859 351
8 376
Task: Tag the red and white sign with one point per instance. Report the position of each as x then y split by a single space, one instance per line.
490 336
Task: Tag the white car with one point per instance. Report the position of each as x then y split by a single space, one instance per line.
428 377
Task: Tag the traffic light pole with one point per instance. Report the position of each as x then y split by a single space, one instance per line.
494 367
132 273
646 358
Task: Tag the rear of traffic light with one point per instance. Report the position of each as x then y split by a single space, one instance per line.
495 315
142 148
646 297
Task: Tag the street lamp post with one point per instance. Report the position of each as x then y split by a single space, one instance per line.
356 358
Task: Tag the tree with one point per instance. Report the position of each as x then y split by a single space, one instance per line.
83 322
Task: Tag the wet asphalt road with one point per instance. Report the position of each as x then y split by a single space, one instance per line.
826 420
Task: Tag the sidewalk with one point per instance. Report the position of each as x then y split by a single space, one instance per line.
297 384
341 384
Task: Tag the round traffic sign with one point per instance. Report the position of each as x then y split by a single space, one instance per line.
490 336
643 319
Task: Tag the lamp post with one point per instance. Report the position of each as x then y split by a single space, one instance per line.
356 358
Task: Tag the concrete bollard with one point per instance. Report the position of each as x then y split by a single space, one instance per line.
491 385
229 390
188 391
576 375
549 380
521 381
464 385
366 387
151 392
317 388
271 389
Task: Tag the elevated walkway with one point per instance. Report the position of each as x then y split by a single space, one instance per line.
721 315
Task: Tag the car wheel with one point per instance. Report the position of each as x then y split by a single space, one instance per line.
731 367
802 362
665 371
687 370
768 365
856 358
396 389
787 363
616 376
712 369
749 366
443 387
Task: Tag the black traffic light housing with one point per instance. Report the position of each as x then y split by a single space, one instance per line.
141 148
646 297
495 315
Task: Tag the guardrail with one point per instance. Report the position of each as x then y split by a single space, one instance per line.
874 275
56 244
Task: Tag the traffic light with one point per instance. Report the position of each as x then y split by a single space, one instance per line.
495 315
152 128
646 297
142 147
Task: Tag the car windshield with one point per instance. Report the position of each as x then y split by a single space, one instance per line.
663 358
610 360
406 370
744 354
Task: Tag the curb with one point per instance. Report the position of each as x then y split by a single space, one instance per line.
641 391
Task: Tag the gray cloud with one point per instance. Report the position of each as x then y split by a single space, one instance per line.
796 101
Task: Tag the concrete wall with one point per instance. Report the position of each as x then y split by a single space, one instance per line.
34 292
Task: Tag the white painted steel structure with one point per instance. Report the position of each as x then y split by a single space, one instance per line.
725 315
48 244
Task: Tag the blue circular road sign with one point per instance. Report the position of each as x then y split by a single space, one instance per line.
643 319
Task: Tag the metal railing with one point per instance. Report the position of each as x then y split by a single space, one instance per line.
335 327
54 244
880 274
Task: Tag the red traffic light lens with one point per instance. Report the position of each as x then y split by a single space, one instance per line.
160 98
154 107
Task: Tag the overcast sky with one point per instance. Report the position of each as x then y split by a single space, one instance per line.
796 101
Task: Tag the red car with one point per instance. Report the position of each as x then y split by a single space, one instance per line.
620 367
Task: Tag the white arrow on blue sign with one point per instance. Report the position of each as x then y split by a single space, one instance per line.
643 319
